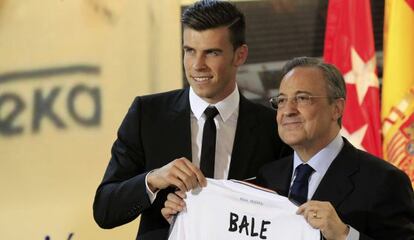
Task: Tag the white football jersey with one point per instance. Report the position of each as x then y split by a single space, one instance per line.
234 210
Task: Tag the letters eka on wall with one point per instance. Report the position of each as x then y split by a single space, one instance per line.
58 97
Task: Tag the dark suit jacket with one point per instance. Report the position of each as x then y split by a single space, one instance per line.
368 193
155 131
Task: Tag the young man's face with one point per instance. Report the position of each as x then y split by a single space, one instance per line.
211 63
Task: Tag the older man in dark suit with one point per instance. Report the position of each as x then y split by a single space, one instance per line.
165 139
343 191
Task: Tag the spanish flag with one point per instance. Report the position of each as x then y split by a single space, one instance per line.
398 85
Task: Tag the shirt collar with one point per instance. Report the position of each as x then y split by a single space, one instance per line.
225 107
321 161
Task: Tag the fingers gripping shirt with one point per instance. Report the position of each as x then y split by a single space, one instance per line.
233 210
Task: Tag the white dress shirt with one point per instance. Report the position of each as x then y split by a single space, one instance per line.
226 123
320 162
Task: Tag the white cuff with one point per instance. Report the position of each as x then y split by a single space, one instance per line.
353 234
150 194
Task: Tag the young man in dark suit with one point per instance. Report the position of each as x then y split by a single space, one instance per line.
161 145
345 192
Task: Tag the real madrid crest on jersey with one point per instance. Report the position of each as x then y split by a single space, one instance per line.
398 130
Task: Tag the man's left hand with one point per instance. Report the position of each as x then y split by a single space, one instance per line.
323 216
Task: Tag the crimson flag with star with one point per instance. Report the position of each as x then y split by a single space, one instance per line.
349 45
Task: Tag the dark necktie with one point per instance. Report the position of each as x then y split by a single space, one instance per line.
208 146
299 189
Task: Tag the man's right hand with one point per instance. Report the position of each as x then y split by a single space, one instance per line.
173 205
180 173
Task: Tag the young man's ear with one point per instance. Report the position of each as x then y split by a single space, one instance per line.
240 55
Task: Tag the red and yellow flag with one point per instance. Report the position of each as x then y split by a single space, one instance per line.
349 45
398 85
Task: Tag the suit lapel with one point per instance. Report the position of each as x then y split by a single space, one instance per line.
244 141
280 174
180 120
337 184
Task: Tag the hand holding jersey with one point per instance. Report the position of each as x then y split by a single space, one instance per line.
323 216
173 205
180 173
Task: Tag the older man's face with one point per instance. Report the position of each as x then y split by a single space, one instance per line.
307 125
